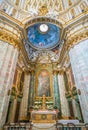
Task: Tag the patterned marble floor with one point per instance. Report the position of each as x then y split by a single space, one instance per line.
44 126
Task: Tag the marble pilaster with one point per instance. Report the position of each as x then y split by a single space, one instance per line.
13 111
56 91
8 58
74 107
79 62
64 103
24 102
31 93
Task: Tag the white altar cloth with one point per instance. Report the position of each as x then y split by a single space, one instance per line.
68 121
43 112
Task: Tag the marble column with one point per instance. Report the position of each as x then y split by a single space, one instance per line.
24 102
10 107
56 90
16 83
13 111
8 60
64 103
79 114
79 61
74 107
31 93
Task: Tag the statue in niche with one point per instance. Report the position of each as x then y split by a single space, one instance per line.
44 83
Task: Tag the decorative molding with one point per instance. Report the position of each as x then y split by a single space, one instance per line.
12 20
4 36
75 39
42 19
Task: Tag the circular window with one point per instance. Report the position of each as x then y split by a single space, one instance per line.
43 28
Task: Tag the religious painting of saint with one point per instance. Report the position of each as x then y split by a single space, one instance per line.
44 83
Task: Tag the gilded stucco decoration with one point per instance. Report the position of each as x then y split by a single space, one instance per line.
43 10
27 9
4 36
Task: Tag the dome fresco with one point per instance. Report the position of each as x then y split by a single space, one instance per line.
43 35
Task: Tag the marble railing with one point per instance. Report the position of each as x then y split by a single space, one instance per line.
71 126
48 126
17 126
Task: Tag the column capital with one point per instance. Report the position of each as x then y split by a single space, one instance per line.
61 71
32 71
55 71
27 72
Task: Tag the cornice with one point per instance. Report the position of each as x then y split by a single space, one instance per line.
10 19
75 39
42 19
11 39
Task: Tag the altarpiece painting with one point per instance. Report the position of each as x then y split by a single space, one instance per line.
44 83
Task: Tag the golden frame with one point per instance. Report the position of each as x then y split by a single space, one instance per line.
36 83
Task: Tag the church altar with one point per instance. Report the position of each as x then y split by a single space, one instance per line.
43 111
43 116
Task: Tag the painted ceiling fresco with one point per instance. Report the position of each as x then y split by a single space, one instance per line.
43 35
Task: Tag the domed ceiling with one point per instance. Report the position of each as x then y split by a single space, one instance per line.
43 35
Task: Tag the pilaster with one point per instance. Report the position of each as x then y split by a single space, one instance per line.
79 62
56 90
24 102
64 103
31 93
7 69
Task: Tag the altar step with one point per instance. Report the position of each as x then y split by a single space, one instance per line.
45 126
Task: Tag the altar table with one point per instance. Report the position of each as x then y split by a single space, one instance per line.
43 116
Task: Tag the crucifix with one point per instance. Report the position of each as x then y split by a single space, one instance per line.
44 102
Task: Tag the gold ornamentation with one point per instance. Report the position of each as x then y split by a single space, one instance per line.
77 38
43 10
69 2
55 71
4 36
83 6
42 19
36 82
10 19
44 102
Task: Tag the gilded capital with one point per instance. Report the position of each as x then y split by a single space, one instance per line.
55 71
6 37
61 71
